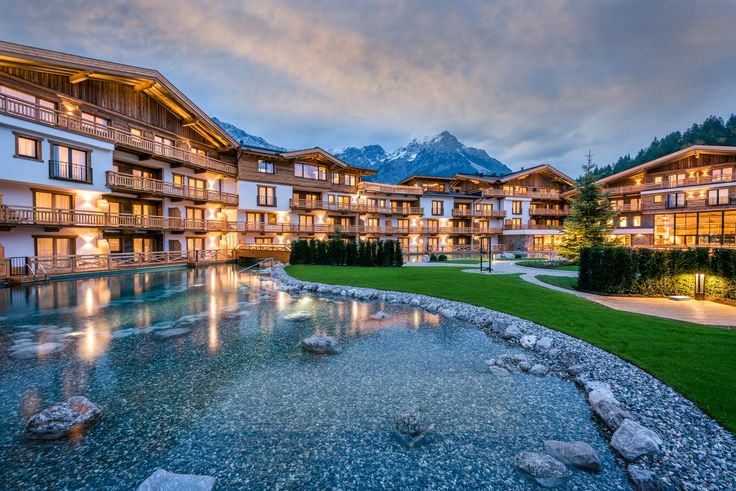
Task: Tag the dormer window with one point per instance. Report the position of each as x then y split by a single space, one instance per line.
309 171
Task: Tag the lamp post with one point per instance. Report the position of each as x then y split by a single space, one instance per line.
699 286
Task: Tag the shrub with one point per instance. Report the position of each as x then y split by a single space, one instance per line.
620 270
432 258
351 253
398 259
442 258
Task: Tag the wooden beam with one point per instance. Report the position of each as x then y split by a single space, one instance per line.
144 85
79 76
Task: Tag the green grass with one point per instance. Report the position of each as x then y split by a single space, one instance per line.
535 264
568 282
697 361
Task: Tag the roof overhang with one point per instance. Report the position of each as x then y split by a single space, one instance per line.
150 82
320 155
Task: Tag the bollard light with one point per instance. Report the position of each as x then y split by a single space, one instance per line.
699 286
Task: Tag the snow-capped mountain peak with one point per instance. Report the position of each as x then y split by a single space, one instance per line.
245 138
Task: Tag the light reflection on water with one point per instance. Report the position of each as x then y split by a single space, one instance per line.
237 399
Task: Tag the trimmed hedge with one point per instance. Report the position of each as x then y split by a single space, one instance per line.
337 252
620 270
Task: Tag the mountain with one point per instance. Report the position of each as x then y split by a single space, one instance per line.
712 131
440 155
246 138
369 157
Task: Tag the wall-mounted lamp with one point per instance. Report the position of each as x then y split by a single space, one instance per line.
699 286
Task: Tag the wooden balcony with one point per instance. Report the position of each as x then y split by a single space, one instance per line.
551 195
459 212
142 185
621 190
307 204
60 119
626 208
493 193
60 218
531 226
389 188
554 212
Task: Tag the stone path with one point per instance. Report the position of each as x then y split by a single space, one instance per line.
697 312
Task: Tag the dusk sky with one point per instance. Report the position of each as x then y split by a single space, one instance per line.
530 82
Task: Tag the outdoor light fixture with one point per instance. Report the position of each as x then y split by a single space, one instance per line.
699 286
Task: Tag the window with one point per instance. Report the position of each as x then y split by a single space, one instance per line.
266 196
657 198
69 163
516 207
114 245
637 221
136 132
622 222
436 187
309 171
433 225
677 179
718 197
264 240
265 167
306 220
94 121
197 151
335 178
178 180
195 243
27 147
163 145
54 246
658 180
403 224
725 174
438 207
349 180
676 200
516 223
52 201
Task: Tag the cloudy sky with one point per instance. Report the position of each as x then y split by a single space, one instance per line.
528 81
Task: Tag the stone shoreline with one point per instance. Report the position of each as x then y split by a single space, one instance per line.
696 454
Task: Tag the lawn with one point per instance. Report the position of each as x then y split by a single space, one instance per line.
536 264
562 281
699 362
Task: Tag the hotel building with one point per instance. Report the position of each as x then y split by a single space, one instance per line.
684 199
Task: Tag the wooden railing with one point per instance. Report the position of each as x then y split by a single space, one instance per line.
389 188
60 119
541 211
626 208
83 263
531 226
116 180
459 212
667 184
29 215
308 204
500 193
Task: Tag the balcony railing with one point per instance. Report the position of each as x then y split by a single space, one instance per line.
60 119
308 204
84 263
266 201
70 172
540 211
116 180
626 208
461 212
388 188
54 217
531 226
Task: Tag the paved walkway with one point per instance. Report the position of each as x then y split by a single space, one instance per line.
698 312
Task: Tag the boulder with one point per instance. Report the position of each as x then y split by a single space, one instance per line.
633 440
546 470
576 369
544 344
302 315
162 480
602 394
512 332
610 413
175 332
499 371
525 366
63 418
539 370
568 357
528 341
379 316
35 350
553 352
413 425
578 454
645 480
507 255
321 345
449 313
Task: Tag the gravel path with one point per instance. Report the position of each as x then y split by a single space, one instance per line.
697 453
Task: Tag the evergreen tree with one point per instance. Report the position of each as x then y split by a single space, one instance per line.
322 257
363 254
388 253
312 254
380 252
351 253
591 219
372 246
398 255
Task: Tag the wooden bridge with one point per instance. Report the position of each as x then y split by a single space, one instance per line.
282 252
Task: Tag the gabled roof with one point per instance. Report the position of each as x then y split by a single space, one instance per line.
316 152
518 174
419 176
685 152
148 81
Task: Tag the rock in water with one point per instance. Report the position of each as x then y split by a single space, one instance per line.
302 315
546 470
63 418
413 425
34 350
162 480
321 345
610 413
528 341
379 316
632 440
578 454
174 332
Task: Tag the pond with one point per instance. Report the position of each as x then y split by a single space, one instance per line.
235 397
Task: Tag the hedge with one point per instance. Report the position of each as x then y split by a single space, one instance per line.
337 252
620 270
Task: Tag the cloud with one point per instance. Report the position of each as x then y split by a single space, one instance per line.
529 81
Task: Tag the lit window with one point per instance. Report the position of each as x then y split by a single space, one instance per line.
95 120
265 167
438 208
309 171
657 198
637 221
718 197
198 151
516 207
27 147
676 200
622 222
349 180
335 178
266 196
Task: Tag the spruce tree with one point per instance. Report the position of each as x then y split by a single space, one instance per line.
380 252
398 255
351 253
592 218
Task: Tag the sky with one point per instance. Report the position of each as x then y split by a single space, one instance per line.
528 81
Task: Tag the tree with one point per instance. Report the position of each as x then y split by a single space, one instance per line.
351 253
592 218
398 255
